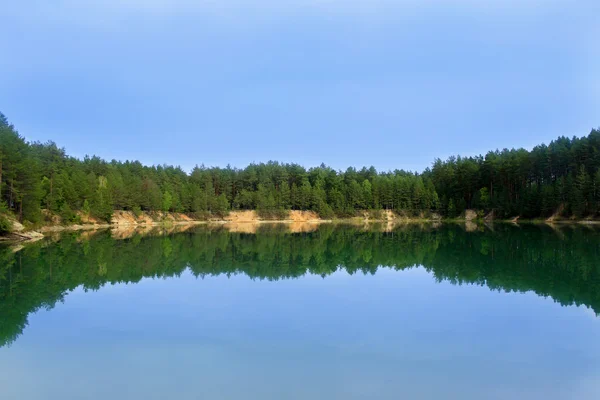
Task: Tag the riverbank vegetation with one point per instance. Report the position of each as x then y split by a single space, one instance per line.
38 180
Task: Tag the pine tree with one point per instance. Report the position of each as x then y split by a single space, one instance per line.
451 209
167 201
578 197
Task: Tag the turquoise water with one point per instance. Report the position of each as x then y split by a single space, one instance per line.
340 313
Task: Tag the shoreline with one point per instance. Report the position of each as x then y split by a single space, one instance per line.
244 221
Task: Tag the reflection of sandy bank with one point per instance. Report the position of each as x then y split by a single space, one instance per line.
242 227
470 226
395 224
254 227
128 231
16 248
556 230
87 234
76 227
300 227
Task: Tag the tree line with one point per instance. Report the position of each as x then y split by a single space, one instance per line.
562 177
40 179
562 265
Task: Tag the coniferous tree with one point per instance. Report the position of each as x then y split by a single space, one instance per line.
563 177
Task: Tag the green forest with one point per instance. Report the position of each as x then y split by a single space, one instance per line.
40 179
561 264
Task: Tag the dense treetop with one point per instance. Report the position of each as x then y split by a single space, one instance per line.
564 175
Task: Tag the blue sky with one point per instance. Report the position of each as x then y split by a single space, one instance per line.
346 82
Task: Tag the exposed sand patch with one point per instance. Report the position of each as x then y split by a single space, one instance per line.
19 233
148 218
556 214
303 216
242 216
16 225
87 219
252 216
123 218
125 224
470 215
182 217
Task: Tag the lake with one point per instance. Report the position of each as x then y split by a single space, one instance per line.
339 312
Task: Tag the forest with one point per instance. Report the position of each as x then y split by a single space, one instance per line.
40 179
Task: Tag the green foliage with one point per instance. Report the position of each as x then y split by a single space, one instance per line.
451 209
376 214
484 198
325 211
66 214
201 215
87 209
167 201
3 121
220 206
537 183
5 225
137 211
563 175
579 195
102 204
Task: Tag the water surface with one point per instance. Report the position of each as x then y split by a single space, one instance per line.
338 313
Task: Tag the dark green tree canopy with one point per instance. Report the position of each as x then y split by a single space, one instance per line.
562 176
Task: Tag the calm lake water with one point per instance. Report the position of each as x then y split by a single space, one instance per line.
338 313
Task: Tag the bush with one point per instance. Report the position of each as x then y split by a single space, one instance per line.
325 211
5 225
87 209
346 212
137 211
221 206
377 214
201 215
66 214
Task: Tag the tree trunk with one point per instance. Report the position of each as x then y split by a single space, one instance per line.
49 205
12 187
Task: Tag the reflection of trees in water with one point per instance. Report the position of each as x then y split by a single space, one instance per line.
530 258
